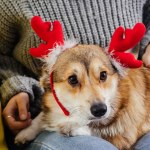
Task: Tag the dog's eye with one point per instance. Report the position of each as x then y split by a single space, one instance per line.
103 75
73 80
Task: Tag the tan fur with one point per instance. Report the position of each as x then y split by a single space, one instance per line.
131 114
127 98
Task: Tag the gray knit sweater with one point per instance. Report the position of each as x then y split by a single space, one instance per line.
89 21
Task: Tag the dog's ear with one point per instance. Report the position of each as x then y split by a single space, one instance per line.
45 80
118 67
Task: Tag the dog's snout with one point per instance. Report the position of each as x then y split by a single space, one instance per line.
98 109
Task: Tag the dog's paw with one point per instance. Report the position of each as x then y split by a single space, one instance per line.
24 136
81 131
66 128
70 129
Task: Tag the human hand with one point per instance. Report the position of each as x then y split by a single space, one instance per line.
146 57
16 115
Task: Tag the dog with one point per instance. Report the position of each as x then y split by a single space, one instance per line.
102 100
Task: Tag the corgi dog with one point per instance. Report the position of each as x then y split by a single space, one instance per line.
102 100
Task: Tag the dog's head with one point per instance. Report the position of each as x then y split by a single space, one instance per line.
85 82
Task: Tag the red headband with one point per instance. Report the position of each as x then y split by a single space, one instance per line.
122 40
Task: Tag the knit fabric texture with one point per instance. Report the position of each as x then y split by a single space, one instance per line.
87 21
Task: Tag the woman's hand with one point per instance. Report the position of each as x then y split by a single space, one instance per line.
16 115
146 57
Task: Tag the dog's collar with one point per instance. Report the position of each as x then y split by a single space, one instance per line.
65 111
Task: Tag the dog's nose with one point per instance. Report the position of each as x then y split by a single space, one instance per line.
98 109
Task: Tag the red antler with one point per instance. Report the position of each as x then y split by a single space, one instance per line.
51 37
123 40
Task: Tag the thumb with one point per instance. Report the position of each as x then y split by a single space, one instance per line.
23 104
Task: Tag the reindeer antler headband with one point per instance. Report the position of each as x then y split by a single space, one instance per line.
52 34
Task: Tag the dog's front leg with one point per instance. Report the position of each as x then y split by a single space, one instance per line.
30 132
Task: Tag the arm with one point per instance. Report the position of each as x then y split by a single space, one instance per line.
18 88
14 77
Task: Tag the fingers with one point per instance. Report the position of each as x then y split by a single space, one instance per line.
16 126
10 109
146 57
148 66
23 106
16 115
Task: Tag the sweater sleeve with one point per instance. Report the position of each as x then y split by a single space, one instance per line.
14 77
146 20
